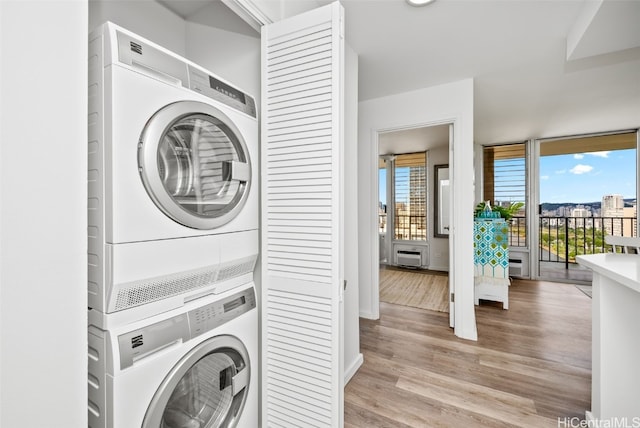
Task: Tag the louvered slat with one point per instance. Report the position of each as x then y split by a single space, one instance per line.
301 144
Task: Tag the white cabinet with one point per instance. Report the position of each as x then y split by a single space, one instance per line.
491 260
615 341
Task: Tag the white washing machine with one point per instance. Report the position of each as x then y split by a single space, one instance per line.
190 367
173 180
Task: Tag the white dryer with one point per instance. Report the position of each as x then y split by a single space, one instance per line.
173 180
190 367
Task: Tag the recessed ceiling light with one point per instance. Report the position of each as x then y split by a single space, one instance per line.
419 2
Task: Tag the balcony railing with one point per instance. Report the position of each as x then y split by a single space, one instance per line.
407 227
561 238
564 238
518 231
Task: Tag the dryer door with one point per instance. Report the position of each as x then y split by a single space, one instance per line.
207 388
194 164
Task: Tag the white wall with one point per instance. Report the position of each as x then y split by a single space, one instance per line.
352 356
438 247
276 10
146 18
451 102
43 224
232 56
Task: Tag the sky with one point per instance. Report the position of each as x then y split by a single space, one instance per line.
586 177
382 179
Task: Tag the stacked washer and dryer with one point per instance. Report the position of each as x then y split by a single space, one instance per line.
173 240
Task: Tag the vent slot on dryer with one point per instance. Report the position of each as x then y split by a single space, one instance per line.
149 290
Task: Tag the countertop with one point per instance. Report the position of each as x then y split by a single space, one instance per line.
623 268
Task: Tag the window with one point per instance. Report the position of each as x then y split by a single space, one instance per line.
410 197
505 174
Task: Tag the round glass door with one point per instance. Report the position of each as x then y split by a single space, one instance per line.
194 164
207 389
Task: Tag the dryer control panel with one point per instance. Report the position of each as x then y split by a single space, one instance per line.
215 88
140 343
156 62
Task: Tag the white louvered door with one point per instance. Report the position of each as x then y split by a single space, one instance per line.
302 216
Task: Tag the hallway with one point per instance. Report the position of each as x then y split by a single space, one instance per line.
530 366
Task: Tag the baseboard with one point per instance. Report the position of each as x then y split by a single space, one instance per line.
439 268
353 368
470 334
367 315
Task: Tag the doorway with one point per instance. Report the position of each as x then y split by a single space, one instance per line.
413 256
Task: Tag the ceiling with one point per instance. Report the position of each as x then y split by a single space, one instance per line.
413 140
515 50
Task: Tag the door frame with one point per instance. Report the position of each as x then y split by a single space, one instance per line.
443 104
373 211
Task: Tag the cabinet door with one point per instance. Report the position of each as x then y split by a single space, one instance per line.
302 217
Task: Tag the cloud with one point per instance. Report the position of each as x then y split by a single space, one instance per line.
544 177
600 154
581 169
603 154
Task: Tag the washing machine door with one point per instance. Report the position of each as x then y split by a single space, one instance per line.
206 389
194 164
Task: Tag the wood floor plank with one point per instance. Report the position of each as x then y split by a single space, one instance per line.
492 403
367 418
530 365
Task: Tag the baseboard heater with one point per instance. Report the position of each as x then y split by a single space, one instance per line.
409 258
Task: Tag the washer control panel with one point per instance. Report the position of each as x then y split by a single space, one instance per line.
213 315
138 344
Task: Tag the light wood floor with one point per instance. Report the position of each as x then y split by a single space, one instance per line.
420 289
530 365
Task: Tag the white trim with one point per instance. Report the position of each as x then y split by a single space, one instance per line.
369 315
249 12
533 202
637 176
375 254
353 368
455 305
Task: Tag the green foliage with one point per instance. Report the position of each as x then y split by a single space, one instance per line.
505 212
575 242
